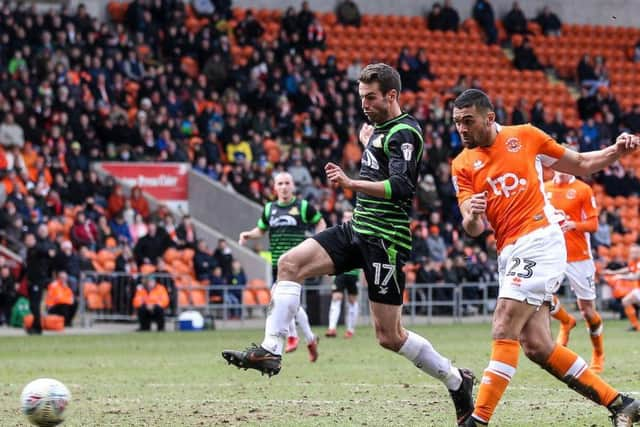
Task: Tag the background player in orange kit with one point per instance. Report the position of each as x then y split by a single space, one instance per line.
498 178
575 201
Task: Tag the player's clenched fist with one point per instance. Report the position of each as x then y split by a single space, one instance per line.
336 175
626 143
478 204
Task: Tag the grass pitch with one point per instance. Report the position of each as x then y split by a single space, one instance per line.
180 379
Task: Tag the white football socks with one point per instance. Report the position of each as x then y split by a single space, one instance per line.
420 351
352 316
303 322
334 313
285 300
293 331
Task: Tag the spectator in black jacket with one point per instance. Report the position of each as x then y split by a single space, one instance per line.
224 257
41 253
8 292
435 20
514 21
483 14
203 261
549 22
152 245
450 17
347 13
525 58
249 30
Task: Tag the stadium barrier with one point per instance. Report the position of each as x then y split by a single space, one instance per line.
109 297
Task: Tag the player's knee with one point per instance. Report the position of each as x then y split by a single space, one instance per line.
534 350
288 268
388 340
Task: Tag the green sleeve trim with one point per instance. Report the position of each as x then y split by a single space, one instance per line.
397 128
267 213
387 189
303 210
316 218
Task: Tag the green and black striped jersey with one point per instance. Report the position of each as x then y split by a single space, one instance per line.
392 155
287 225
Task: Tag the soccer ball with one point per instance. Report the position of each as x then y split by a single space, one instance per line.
44 401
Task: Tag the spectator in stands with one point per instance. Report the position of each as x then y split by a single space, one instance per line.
151 300
139 202
78 190
224 257
436 245
316 35
8 291
514 21
525 58
120 229
289 22
450 16
41 253
84 232
234 296
347 13
549 22
419 248
11 133
60 299
537 114
461 85
484 16
186 233
72 263
203 261
590 137
602 236
152 245
435 19
248 30
520 113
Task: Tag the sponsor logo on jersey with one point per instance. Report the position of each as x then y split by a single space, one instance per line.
407 151
369 160
513 145
283 221
507 184
294 211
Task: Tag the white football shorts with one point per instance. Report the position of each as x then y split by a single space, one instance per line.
581 275
532 268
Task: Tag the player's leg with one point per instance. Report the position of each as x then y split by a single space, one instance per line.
302 319
324 253
334 309
571 369
382 267
529 271
292 337
582 278
352 315
567 321
629 303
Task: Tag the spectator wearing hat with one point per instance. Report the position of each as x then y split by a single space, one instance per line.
151 300
436 245
75 159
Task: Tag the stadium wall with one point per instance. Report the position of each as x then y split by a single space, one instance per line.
599 12
217 208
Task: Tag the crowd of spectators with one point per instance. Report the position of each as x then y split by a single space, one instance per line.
74 90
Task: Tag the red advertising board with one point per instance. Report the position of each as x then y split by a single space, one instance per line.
163 181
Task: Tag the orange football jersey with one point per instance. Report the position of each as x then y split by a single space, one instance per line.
510 173
575 199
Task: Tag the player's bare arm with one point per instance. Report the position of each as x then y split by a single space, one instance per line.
473 210
337 177
582 164
589 225
254 233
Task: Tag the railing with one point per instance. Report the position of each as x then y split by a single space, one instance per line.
108 297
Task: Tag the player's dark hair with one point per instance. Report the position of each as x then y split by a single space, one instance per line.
473 98
386 76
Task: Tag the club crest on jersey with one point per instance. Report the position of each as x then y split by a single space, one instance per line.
407 150
513 145
478 164
571 194
294 211
376 142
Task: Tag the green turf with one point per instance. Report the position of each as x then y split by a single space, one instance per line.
179 379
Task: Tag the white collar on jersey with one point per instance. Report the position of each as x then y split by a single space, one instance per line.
498 127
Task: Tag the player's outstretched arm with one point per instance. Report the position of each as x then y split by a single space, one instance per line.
254 233
583 164
473 210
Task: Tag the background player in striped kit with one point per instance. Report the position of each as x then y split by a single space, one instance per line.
287 221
